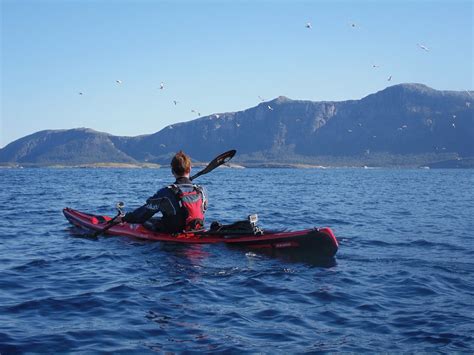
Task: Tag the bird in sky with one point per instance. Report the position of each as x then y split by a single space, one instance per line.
389 78
423 47
162 86
308 25
468 104
375 66
175 102
270 108
118 81
81 93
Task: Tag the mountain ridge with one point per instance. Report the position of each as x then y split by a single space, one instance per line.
401 120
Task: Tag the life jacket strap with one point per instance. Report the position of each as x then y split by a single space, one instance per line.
192 206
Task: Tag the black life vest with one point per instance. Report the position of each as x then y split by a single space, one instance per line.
192 206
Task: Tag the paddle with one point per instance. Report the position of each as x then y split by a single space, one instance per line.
216 162
120 205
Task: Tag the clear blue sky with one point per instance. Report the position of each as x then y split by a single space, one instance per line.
214 56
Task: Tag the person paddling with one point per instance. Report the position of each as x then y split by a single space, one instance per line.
182 204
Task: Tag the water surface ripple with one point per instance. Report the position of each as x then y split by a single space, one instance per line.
403 279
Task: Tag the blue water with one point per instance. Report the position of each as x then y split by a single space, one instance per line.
403 279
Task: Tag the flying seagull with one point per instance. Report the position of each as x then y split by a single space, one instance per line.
162 86
81 93
270 108
261 98
118 81
389 78
308 25
423 47
175 102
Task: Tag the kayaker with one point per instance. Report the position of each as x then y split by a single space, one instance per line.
182 204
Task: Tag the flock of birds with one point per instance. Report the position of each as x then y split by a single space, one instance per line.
375 66
162 87
270 108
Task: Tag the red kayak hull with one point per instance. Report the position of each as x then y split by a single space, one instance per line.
320 241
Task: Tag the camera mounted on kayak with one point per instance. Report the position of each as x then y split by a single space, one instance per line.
120 206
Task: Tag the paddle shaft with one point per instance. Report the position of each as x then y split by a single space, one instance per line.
109 225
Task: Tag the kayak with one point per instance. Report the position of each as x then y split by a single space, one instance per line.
318 241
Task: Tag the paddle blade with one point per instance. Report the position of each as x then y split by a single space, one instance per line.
216 162
221 159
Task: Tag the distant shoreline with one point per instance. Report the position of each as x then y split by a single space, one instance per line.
467 163
82 166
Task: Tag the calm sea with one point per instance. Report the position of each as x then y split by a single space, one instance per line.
403 279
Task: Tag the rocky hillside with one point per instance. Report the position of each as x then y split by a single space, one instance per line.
407 122
74 146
